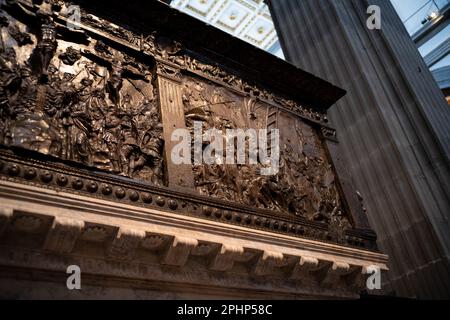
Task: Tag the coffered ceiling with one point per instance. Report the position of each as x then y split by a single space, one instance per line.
248 20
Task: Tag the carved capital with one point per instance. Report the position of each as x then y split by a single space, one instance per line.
329 133
179 251
168 71
225 258
63 235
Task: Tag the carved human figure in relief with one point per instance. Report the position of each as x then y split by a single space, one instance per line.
93 107
305 184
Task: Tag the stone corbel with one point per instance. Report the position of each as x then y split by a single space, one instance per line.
5 218
179 250
125 244
331 273
63 235
268 262
356 277
225 257
303 267
120 242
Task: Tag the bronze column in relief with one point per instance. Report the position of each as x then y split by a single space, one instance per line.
173 117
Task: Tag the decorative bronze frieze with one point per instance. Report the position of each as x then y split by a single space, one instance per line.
305 184
95 104
50 173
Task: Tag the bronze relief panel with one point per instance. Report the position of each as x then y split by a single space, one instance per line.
305 184
84 102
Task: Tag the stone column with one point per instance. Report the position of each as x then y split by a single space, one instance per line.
393 126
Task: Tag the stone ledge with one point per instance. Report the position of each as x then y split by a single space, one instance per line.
179 250
121 192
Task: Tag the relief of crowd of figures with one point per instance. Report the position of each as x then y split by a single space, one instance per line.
305 184
90 103
173 51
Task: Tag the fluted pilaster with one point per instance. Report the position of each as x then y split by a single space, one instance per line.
393 126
